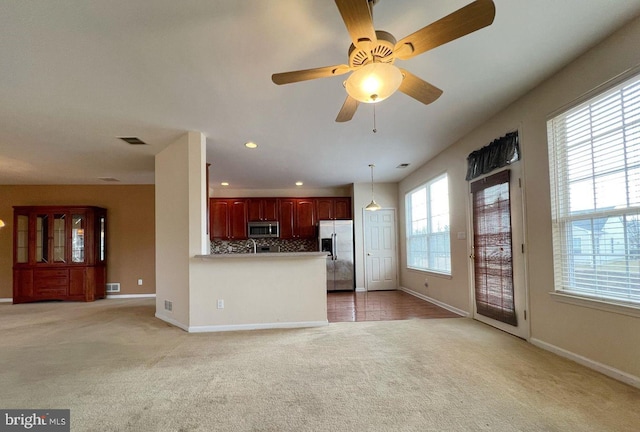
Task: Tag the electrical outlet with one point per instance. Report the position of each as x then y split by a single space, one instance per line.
139 281
168 305
220 304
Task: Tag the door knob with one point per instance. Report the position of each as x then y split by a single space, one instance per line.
369 254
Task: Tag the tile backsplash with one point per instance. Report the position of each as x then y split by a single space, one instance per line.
246 246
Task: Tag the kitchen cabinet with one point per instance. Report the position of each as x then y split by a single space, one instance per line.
263 209
59 253
228 219
297 218
333 208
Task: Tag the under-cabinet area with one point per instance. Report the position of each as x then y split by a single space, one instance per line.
59 253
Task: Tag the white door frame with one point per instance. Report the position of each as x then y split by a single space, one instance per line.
364 245
518 241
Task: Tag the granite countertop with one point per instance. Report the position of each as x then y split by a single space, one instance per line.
264 255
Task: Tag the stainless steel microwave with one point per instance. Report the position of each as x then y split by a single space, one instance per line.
264 229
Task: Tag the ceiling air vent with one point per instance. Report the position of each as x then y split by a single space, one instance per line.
403 165
133 140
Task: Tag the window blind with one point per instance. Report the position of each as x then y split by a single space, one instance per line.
493 263
594 165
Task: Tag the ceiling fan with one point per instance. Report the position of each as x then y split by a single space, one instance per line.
372 54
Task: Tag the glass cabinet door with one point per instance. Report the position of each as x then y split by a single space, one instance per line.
59 238
22 239
42 238
102 240
78 226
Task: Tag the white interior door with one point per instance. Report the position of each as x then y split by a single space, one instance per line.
380 250
497 258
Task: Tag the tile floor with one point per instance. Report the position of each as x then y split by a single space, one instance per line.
380 306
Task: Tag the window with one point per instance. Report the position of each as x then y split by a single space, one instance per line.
427 210
594 162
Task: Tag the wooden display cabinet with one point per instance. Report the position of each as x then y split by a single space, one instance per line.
59 253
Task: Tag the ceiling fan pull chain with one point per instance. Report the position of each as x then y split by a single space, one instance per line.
374 119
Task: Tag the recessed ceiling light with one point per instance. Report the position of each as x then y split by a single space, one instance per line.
250 145
224 184
299 183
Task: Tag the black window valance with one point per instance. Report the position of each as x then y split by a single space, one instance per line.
501 152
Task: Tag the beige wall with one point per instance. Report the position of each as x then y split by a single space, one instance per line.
131 223
260 291
604 339
180 222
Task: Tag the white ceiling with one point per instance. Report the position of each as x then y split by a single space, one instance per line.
76 74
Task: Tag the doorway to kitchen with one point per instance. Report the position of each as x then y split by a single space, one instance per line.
380 250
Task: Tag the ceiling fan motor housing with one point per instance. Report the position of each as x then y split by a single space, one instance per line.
381 52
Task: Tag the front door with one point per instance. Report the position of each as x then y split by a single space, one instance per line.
499 290
380 250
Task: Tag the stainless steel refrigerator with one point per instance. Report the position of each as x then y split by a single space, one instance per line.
336 238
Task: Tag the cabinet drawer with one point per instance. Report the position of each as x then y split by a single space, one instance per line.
51 292
50 273
53 283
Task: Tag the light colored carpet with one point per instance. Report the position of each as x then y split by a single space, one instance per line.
119 369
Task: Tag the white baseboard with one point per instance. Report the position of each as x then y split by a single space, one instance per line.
172 322
259 326
591 364
125 296
361 289
436 302
6 300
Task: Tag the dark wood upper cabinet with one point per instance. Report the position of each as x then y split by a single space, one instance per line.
218 219
287 217
228 219
238 220
333 208
342 208
297 218
263 209
325 208
305 218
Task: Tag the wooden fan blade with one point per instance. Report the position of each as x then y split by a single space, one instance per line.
348 109
468 19
418 88
309 74
357 17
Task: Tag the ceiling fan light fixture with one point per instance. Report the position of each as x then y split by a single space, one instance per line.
374 82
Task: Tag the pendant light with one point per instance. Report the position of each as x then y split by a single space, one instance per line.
373 205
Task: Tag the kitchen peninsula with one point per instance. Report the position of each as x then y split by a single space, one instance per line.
258 291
